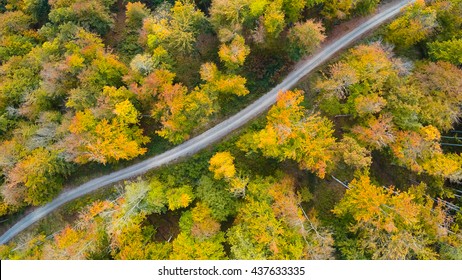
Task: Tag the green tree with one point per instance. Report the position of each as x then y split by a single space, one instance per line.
93 15
176 32
448 15
446 51
186 247
179 197
42 173
16 36
200 238
227 17
293 9
418 22
271 225
146 197
274 19
135 13
440 85
337 9
215 194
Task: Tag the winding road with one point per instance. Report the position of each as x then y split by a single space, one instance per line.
214 134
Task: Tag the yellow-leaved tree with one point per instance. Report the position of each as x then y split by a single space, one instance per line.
292 133
385 223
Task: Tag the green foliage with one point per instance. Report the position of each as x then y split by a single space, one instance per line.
417 23
449 252
215 194
229 15
156 198
365 7
177 31
266 20
186 247
135 13
188 172
273 19
15 45
67 98
146 197
440 84
93 15
19 78
293 9
305 38
449 19
14 22
234 54
179 197
270 225
343 9
31 252
391 107
403 103
134 243
42 174
447 51
200 238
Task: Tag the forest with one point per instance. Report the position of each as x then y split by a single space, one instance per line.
361 160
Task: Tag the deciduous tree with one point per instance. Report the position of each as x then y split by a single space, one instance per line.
441 87
234 53
388 224
446 51
106 140
222 166
417 23
291 133
42 173
378 132
179 197
93 15
177 31
215 195
286 232
353 154
305 37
